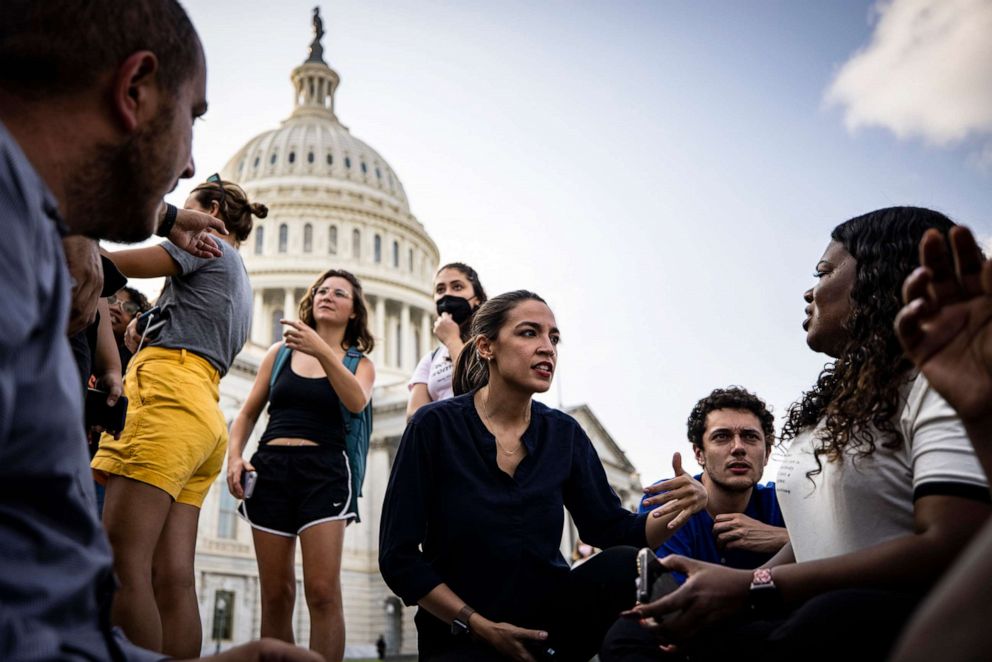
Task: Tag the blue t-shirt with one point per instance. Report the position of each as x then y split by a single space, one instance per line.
695 538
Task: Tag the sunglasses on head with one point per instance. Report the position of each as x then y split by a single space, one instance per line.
215 179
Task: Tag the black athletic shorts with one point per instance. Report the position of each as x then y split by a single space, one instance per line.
297 487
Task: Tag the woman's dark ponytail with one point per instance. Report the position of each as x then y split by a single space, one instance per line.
471 372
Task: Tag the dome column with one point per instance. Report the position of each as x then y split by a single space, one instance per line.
426 333
258 318
379 324
405 339
288 305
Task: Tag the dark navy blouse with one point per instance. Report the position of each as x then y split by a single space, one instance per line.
452 516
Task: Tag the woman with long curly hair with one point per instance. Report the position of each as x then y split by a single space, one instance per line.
879 485
315 381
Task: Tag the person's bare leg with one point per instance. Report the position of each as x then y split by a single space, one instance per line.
276 556
134 514
322 545
174 583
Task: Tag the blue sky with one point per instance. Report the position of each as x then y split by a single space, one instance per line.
665 174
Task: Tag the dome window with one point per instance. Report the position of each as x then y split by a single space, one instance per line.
377 250
330 159
378 173
347 162
308 238
332 240
310 157
396 254
257 159
259 240
365 168
292 157
409 259
283 237
356 244
272 159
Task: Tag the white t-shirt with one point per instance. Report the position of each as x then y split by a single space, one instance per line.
435 370
858 503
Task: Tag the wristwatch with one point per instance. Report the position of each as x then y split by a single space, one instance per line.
763 597
165 227
459 626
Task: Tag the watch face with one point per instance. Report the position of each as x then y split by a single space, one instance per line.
761 576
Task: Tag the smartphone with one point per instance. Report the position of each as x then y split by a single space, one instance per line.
150 321
248 480
541 650
110 419
653 580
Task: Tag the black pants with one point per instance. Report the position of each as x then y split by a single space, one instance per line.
594 594
854 624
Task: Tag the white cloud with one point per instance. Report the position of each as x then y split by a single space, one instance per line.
927 71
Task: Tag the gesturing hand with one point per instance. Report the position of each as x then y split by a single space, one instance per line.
301 338
710 594
191 233
506 638
683 494
738 531
946 324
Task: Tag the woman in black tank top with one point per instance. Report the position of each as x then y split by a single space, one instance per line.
303 486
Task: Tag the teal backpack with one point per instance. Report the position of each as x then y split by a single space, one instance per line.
358 426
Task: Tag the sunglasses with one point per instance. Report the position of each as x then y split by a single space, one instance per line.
129 307
215 179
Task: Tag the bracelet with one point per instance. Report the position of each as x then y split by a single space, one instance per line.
165 227
459 626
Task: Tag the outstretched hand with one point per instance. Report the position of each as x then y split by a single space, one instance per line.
946 323
192 233
682 494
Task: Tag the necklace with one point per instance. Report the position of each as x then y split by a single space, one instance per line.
485 412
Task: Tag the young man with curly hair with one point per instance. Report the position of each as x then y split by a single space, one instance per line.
731 431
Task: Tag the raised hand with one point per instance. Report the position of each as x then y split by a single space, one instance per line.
301 338
946 324
683 494
192 233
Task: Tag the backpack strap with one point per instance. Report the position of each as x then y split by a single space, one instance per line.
282 356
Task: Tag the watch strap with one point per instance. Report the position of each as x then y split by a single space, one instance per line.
165 227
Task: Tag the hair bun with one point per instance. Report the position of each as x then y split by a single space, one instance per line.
259 210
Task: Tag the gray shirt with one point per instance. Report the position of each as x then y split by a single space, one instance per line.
207 307
55 565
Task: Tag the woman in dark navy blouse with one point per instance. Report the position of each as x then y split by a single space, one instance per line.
473 512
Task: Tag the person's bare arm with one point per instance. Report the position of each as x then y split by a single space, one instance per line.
419 397
82 256
354 390
245 421
147 262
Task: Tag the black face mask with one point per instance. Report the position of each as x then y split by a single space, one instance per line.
459 309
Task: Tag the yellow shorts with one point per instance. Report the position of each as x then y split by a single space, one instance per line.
175 436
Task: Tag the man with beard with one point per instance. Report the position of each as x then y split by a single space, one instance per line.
97 101
732 432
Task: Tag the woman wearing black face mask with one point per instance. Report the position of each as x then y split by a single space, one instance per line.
457 293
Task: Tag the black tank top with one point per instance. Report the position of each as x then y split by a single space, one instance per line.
304 408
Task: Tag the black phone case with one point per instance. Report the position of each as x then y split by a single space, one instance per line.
110 419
